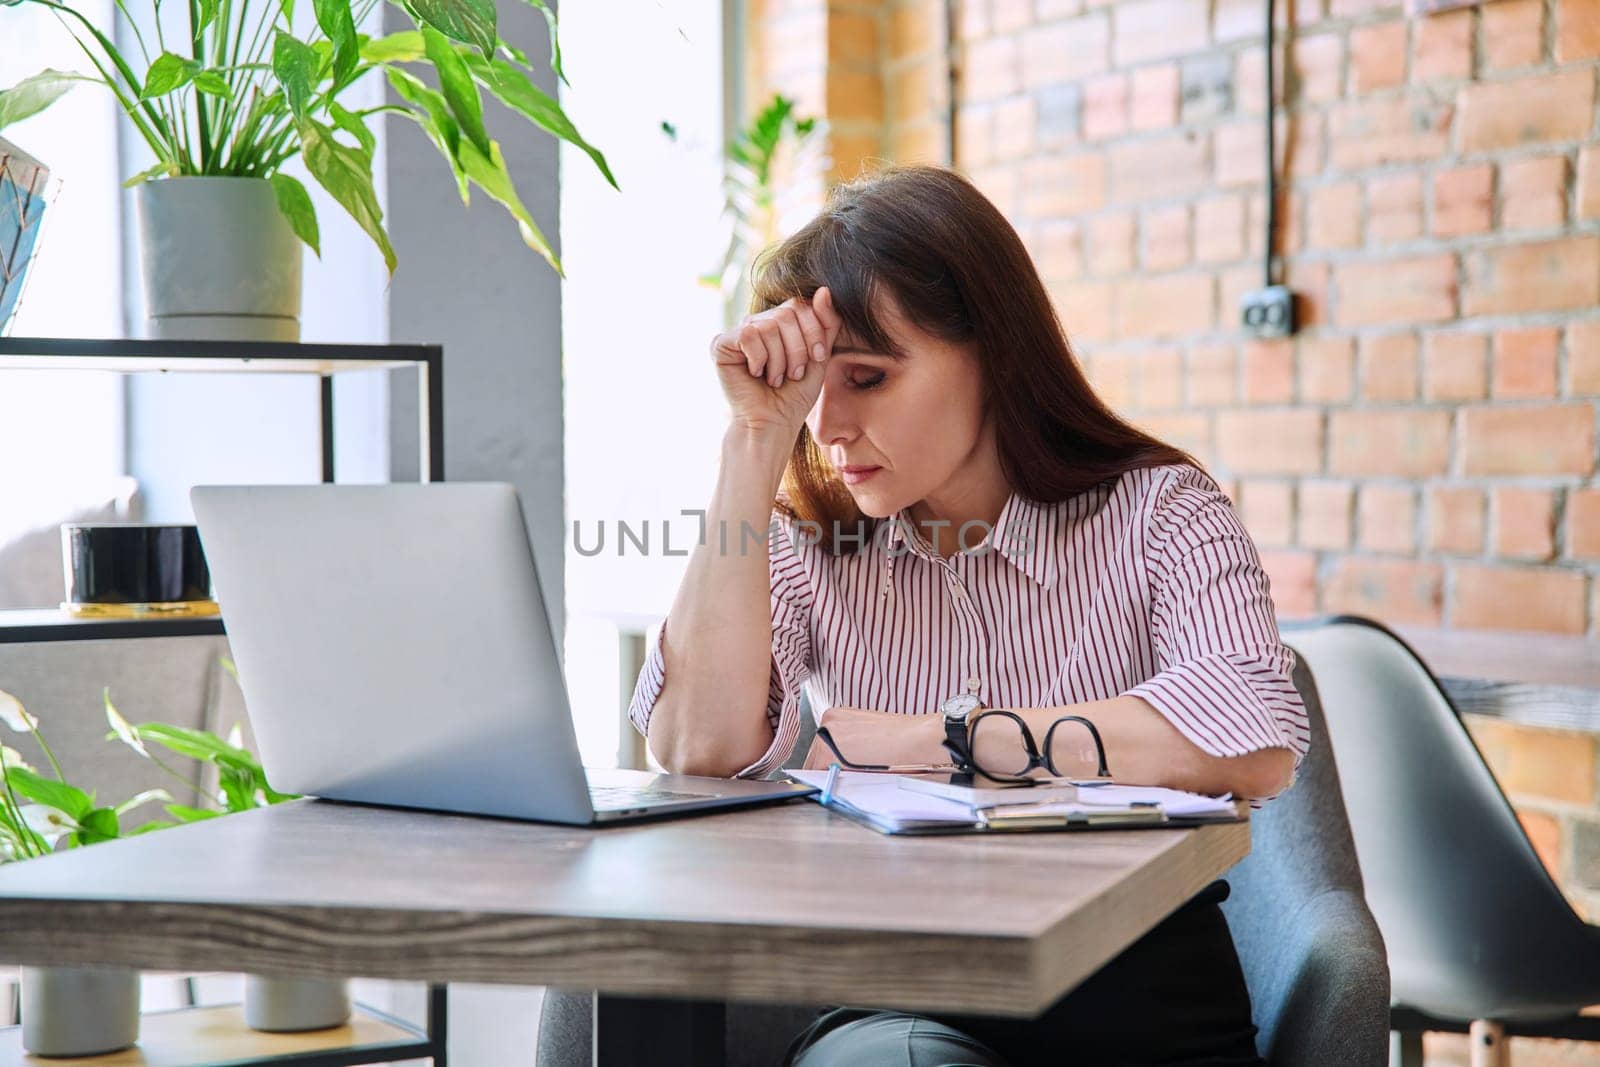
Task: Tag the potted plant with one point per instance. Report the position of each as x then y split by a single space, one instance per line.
66 1011
275 1003
225 109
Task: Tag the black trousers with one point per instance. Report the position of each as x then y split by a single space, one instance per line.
1175 996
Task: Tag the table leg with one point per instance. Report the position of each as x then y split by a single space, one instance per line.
663 1033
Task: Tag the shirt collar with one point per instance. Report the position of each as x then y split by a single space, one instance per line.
1022 535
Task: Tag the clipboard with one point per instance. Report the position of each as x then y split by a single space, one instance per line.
877 801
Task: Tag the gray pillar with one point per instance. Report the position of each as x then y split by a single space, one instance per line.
467 281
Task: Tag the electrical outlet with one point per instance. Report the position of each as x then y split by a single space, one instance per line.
1268 312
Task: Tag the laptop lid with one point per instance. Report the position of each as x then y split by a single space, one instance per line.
394 646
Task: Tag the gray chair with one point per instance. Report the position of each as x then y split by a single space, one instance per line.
1312 955
1477 931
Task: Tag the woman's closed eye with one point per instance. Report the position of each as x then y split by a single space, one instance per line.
867 381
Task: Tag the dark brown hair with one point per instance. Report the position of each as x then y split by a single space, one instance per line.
957 269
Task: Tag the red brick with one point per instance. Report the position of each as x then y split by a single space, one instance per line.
1589 182
1161 377
1250 79
1537 762
991 69
974 19
1386 516
1068 185
1009 16
854 96
916 29
1554 275
1583 524
1212 375
1462 201
1267 508
1153 103
1389 590
1241 148
1389 368
852 38
1291 582
1167 305
1318 65
1371 132
1219 229
1525 362
1066 51
1378 56
1084 308
1269 371
1327 369
1547 439
1057 248
1524 523
1419 289
1533 192
1583 357
1455 366
1577 30
1544 833
1165 237
1394 208
1519 111
1333 215
1111 243
1513 33
1156 167
1442 50
1407 443
1518 598
1309 280
1105 107
1190 431
1014 123
1114 376
1324 514
1158 29
1455 519
1351 9
975 136
1282 441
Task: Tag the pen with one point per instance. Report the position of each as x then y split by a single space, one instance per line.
827 787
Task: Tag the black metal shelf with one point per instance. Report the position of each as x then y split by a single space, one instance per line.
18 626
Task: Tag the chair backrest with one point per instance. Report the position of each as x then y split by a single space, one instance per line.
1312 954
1474 925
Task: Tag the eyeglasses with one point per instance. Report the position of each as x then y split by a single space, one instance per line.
1006 732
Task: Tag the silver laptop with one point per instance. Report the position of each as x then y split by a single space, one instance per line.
394 647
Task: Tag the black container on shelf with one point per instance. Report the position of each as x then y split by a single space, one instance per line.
135 569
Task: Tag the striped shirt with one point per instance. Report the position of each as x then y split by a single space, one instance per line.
1146 584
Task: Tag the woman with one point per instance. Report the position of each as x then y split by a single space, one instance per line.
947 507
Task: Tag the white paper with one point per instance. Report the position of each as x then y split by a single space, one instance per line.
879 796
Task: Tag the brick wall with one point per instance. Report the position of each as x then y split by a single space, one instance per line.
1424 450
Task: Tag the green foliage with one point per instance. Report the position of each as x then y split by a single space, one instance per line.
250 95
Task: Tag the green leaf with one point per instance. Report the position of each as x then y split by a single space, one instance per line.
209 81
41 790
238 789
516 90
145 828
491 174
141 799
121 728
196 744
402 47
555 41
295 203
184 813
468 21
347 174
355 126
167 73
32 95
435 120
295 64
336 21
455 82
169 170
208 15
96 826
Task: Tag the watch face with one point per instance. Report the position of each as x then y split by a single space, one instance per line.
959 707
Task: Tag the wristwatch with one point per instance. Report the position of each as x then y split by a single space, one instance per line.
958 714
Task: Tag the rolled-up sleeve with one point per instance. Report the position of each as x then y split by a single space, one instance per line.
791 598
1225 678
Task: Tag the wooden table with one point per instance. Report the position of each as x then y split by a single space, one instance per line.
786 904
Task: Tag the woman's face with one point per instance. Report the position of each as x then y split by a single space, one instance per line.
918 418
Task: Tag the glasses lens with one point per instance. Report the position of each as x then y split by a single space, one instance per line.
998 746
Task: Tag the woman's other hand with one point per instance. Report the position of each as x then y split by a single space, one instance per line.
771 365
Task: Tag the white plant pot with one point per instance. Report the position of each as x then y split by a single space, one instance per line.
287 1005
79 1011
219 260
